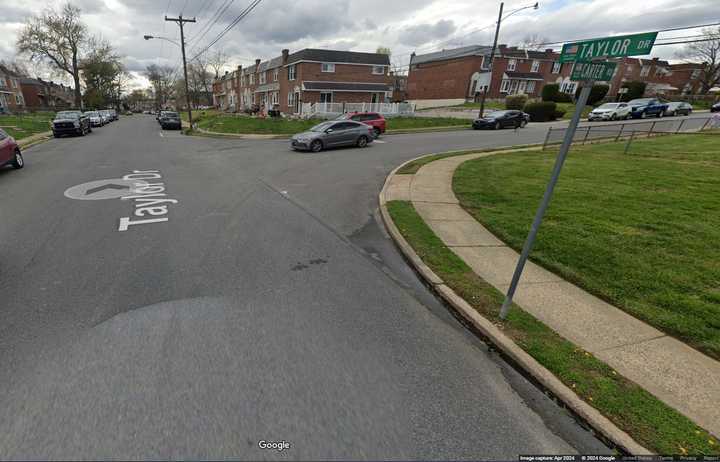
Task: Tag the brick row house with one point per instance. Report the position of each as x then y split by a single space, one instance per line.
41 94
459 75
287 81
11 97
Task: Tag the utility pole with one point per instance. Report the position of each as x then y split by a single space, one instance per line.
180 20
492 56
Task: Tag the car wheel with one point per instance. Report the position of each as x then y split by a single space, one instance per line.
89 129
661 114
674 113
642 115
362 142
17 161
316 146
376 132
497 126
613 117
523 123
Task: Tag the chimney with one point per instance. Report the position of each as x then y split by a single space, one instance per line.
285 56
548 50
257 65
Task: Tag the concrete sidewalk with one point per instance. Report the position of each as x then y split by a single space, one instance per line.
682 377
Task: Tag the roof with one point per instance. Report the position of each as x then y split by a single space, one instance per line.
336 56
346 86
524 75
29 81
272 64
472 50
7 71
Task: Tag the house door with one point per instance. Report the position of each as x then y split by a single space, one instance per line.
297 102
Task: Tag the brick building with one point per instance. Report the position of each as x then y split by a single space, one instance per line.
307 76
456 76
41 94
11 97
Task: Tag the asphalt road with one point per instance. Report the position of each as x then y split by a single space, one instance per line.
270 306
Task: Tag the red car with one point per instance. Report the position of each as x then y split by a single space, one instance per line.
10 151
375 120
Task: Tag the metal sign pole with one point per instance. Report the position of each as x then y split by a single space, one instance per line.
530 241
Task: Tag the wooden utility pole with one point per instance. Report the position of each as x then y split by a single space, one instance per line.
492 56
180 20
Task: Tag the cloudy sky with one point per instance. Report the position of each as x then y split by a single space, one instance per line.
402 25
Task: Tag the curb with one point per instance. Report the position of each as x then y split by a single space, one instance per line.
37 139
258 136
594 419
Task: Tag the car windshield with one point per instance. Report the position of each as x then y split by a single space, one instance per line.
496 114
92 114
172 115
321 127
640 101
67 115
609 106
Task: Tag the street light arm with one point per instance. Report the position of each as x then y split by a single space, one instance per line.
535 7
149 37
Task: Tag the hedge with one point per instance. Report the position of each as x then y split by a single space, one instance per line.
516 102
541 111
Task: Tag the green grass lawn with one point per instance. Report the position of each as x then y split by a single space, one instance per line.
244 124
569 109
648 420
639 230
24 125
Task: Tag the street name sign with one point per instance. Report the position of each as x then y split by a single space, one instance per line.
609 47
593 71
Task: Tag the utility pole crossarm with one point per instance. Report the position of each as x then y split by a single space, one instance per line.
181 21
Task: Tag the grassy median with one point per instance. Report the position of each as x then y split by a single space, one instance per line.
23 125
270 126
638 230
648 420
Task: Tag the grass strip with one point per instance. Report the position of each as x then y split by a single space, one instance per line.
648 420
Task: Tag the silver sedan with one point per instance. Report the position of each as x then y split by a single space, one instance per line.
333 134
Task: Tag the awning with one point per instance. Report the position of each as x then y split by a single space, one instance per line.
346 86
511 75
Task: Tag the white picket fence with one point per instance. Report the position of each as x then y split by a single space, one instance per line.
330 110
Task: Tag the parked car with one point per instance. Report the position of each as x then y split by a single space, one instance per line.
333 133
610 111
678 108
375 120
96 119
169 119
70 123
113 114
10 151
107 117
644 107
502 119
715 107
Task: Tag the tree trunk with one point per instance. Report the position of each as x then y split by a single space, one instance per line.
76 79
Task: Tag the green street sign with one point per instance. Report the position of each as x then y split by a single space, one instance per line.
609 47
593 71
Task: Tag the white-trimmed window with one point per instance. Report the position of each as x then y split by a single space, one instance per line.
252 79
485 64
504 86
378 70
292 72
18 99
644 71
291 99
326 97
511 64
530 87
276 73
556 67
327 67
262 78
571 87
535 66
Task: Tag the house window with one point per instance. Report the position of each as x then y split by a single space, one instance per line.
644 71
530 87
291 99
275 97
535 66
252 79
628 69
18 99
571 87
504 86
291 72
276 72
511 64
556 67
262 78
378 70
695 74
327 67
326 97
485 63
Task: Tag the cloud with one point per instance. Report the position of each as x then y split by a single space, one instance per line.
424 33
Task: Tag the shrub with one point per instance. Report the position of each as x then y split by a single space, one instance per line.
597 93
550 92
541 111
563 98
516 102
559 113
635 90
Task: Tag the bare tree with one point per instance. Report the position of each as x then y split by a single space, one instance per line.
217 61
532 42
58 38
17 66
706 52
163 80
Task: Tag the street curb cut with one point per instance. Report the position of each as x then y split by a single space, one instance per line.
595 420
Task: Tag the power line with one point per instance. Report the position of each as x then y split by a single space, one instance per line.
240 17
215 18
661 30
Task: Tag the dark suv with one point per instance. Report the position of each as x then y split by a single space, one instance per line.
169 119
70 123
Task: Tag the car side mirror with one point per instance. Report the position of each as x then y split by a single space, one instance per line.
329 130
